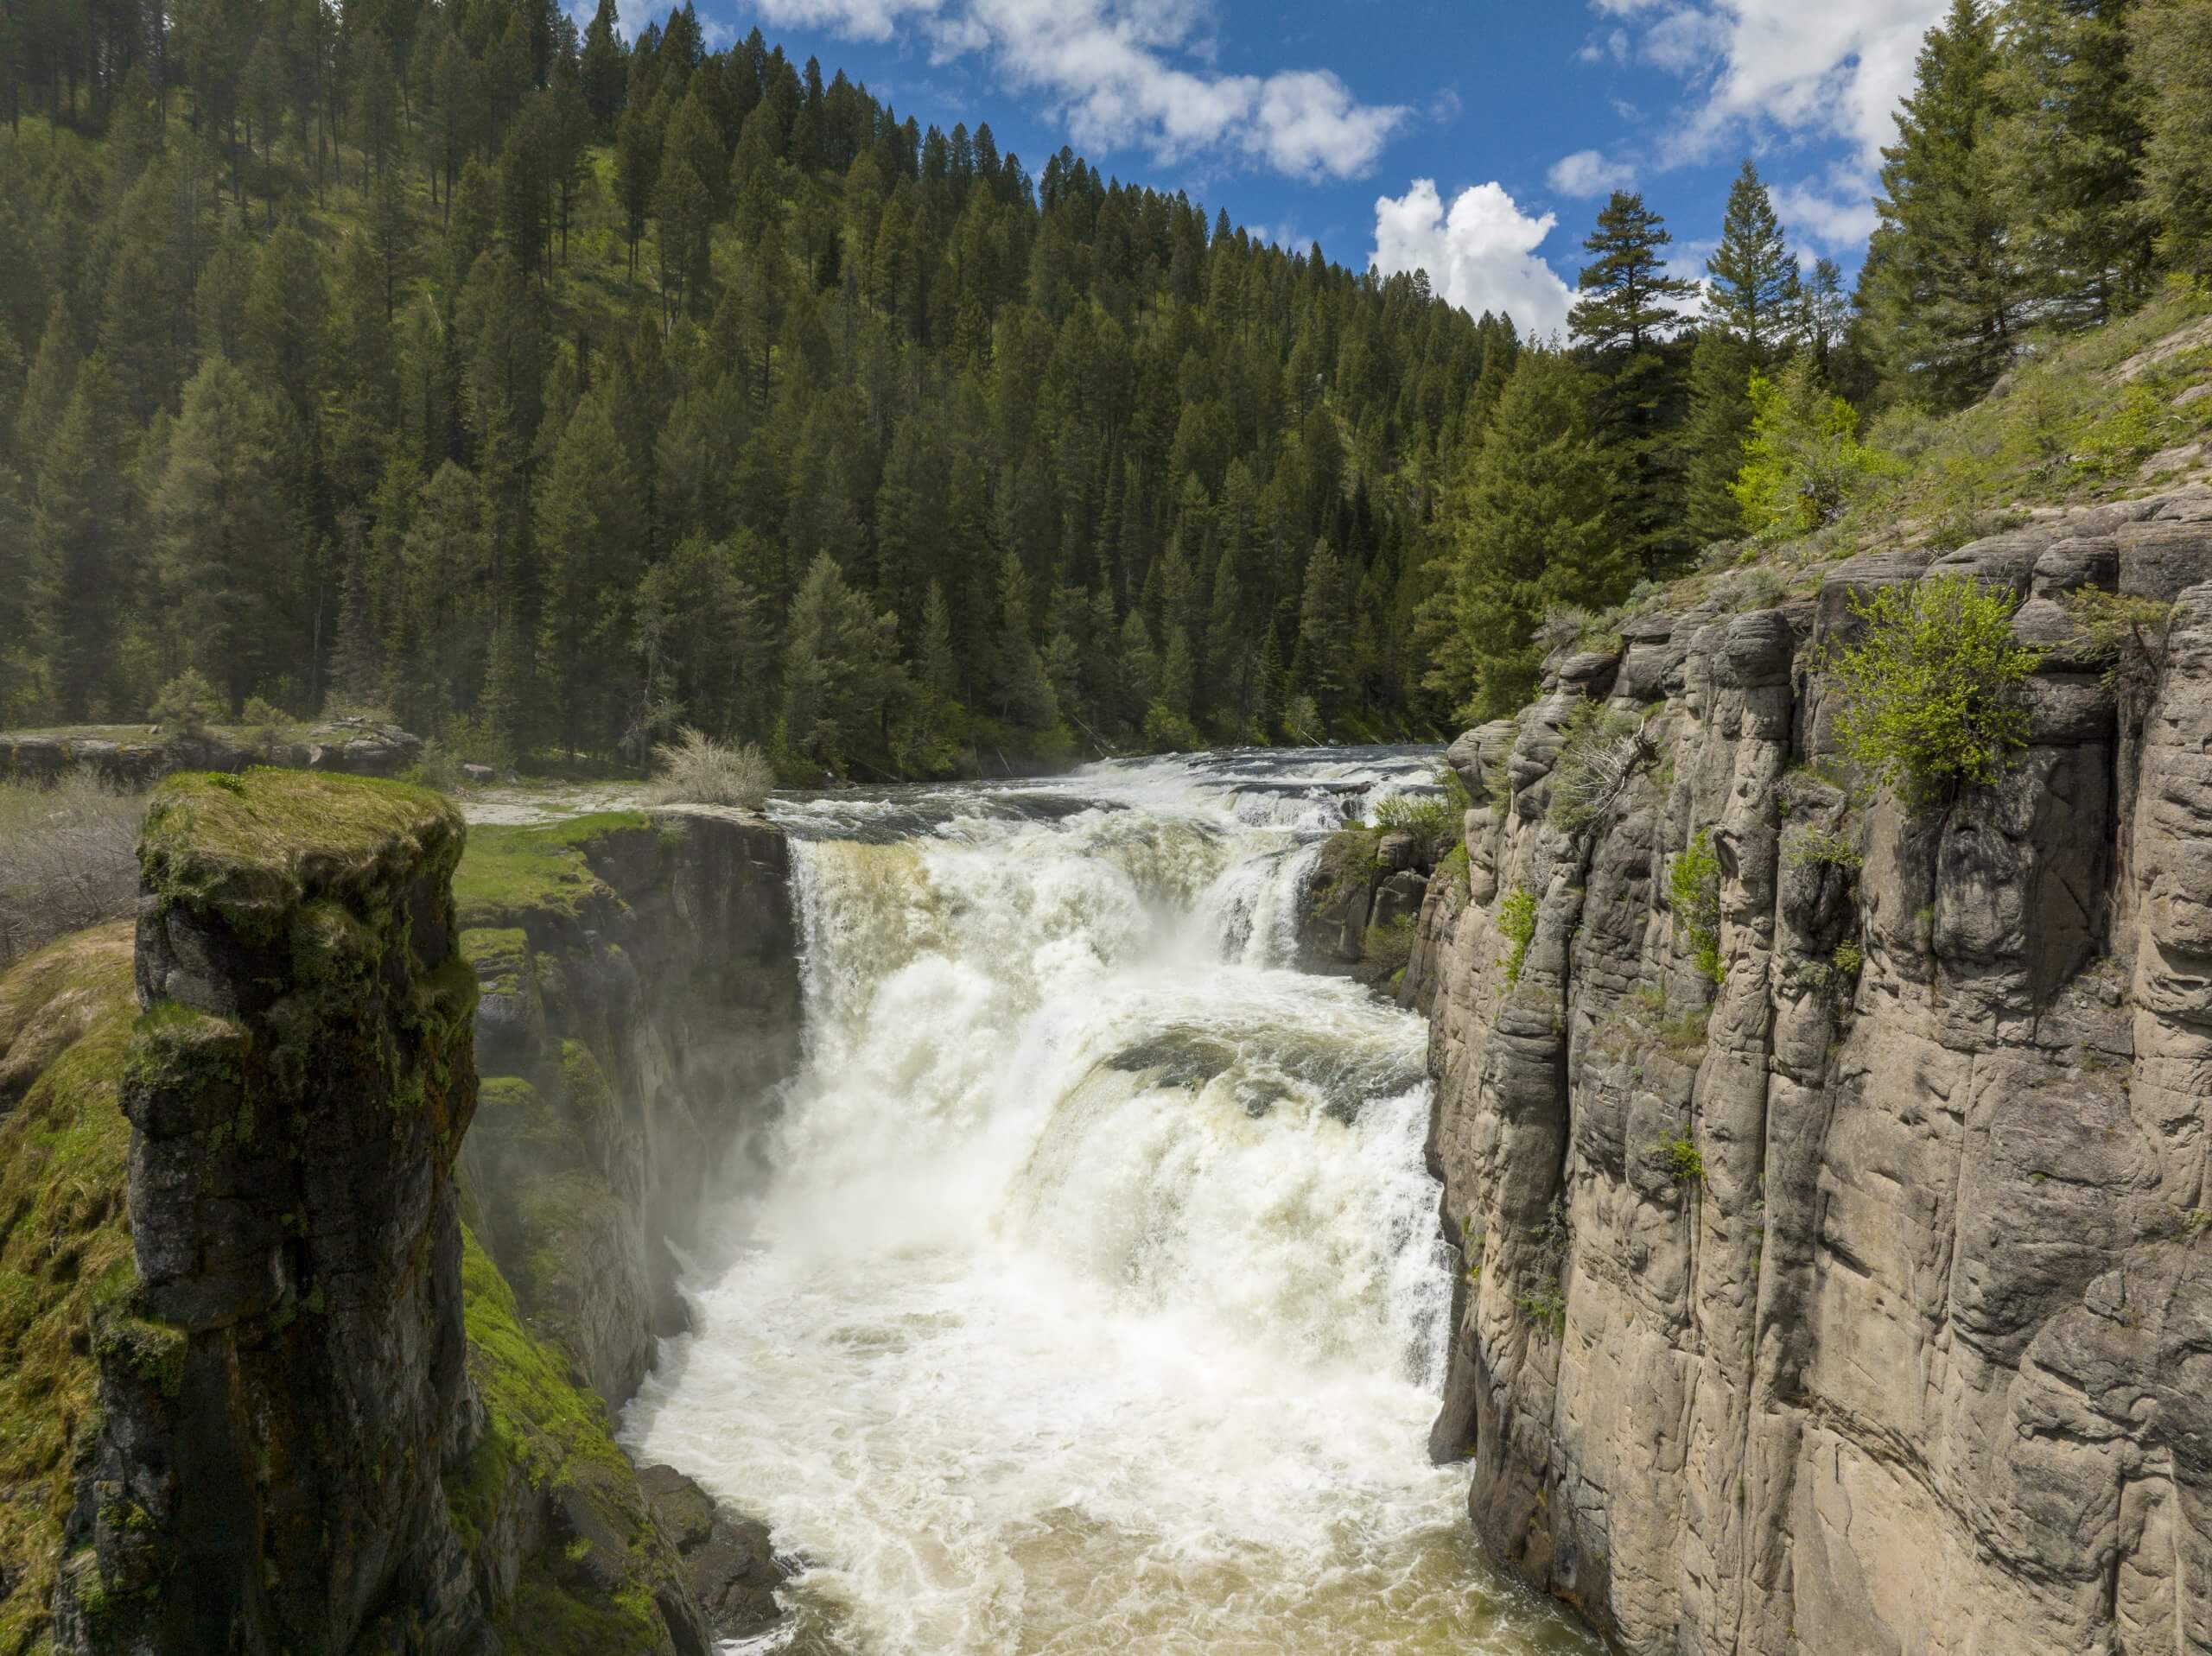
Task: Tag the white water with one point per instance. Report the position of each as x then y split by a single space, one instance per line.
1092 1301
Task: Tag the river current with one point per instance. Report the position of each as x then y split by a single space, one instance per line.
1085 1295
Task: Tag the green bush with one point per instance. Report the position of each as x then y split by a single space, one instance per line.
1930 695
1803 459
187 705
1390 947
1517 924
1683 1160
1434 822
1848 959
1694 892
1822 847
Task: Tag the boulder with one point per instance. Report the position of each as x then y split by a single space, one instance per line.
729 1558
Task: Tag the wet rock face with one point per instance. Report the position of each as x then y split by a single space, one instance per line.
731 1567
1861 1301
635 1016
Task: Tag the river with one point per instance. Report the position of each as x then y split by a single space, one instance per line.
1086 1295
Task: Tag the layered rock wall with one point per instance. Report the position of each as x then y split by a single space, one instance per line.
1862 1300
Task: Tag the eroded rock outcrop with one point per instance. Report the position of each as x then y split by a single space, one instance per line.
266 1393
1862 1300
139 758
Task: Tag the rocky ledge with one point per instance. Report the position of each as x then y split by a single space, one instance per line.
136 757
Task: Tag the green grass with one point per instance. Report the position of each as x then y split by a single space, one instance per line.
66 1020
1517 924
510 873
249 845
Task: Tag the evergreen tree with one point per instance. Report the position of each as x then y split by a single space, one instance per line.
1627 320
2169 54
1532 533
222 539
604 69
2067 153
1942 281
1753 292
1721 367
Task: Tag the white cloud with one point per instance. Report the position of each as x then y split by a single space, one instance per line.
1481 254
1587 173
1836 69
857 20
1838 217
1118 75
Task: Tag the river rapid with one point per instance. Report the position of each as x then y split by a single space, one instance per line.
1086 1294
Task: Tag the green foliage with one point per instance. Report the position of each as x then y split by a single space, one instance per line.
187 705
1803 459
1930 693
1693 894
2124 630
1604 747
1811 846
1517 924
1545 1309
2169 55
1388 948
1433 820
1683 1161
1532 530
66 1257
1848 959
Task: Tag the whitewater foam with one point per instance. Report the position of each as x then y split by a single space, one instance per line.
1094 1303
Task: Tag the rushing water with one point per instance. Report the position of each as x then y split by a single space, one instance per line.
1089 1299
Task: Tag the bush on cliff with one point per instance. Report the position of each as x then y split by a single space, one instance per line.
1931 693
697 770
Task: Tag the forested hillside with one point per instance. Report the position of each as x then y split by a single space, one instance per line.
552 391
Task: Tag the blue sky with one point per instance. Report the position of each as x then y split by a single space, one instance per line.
1472 138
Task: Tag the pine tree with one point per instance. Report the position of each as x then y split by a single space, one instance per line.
1753 292
604 67
2070 151
1532 532
222 539
1942 282
1627 320
1712 438
1325 629
2169 54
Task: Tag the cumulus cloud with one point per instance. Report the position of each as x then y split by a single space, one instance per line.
1133 74
1480 254
1587 173
1835 70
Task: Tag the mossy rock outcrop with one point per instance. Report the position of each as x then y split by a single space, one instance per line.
259 1392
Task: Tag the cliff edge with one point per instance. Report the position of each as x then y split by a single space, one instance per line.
1838 1271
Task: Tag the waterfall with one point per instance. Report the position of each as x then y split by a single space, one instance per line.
1095 1301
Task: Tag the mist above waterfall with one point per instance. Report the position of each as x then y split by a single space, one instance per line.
1093 1299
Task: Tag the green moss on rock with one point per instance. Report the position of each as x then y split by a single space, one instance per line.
64 1240
548 1437
251 846
511 874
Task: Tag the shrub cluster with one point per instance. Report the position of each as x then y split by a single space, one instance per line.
697 770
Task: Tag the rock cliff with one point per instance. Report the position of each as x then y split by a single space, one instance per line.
263 1389
1859 1301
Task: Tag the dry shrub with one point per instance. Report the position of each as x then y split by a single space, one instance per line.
697 770
68 859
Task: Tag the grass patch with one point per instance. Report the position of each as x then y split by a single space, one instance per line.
1694 892
509 873
249 845
1517 924
66 1019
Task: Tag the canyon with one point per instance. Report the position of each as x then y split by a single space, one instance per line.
638 1227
